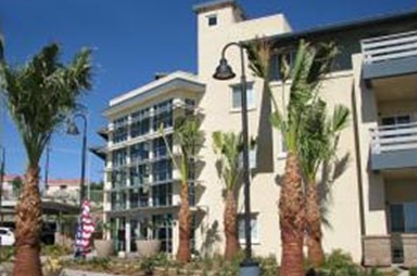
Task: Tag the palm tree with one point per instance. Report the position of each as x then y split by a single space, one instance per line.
229 147
318 145
189 137
311 63
38 96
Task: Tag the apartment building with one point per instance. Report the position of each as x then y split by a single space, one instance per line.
372 206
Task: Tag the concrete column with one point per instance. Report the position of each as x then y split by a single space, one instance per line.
127 236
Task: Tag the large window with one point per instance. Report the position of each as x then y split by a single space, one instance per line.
162 195
120 130
119 173
138 198
118 201
119 158
163 231
160 147
163 115
119 178
139 152
403 217
162 170
139 175
253 228
237 96
140 123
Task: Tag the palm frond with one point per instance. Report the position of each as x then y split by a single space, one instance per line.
39 93
229 147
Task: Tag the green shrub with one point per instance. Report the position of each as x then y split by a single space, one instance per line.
413 271
7 252
55 250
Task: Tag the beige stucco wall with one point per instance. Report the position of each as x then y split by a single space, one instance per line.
344 210
372 183
217 104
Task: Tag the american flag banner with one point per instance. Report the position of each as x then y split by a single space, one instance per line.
85 229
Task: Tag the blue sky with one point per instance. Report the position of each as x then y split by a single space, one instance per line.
132 40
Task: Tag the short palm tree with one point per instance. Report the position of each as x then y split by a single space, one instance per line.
38 96
189 138
311 63
317 147
228 146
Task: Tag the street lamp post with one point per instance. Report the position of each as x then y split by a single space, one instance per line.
73 130
2 172
224 72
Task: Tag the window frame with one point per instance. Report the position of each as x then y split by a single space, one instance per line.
249 90
211 17
255 237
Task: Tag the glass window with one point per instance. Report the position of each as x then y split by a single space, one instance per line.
397 218
139 198
119 178
410 214
139 152
139 175
162 195
403 217
119 158
163 115
140 123
162 170
159 146
212 20
276 63
163 231
237 97
120 130
254 228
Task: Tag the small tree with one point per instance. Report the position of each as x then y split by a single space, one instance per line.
317 147
229 146
189 138
310 65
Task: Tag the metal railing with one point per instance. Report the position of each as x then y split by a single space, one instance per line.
389 47
393 138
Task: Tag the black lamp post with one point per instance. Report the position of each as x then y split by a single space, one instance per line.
224 72
2 168
2 172
73 130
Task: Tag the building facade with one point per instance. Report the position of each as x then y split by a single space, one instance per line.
373 198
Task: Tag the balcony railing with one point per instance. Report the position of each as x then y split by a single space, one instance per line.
394 138
389 47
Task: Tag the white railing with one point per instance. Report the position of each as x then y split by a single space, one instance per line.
393 138
388 47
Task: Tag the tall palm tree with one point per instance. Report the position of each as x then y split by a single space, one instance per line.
229 147
310 65
317 147
38 96
189 137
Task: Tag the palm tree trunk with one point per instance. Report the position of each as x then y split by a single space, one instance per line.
184 217
291 207
28 226
230 226
313 227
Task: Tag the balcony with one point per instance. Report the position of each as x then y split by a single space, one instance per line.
394 147
390 55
